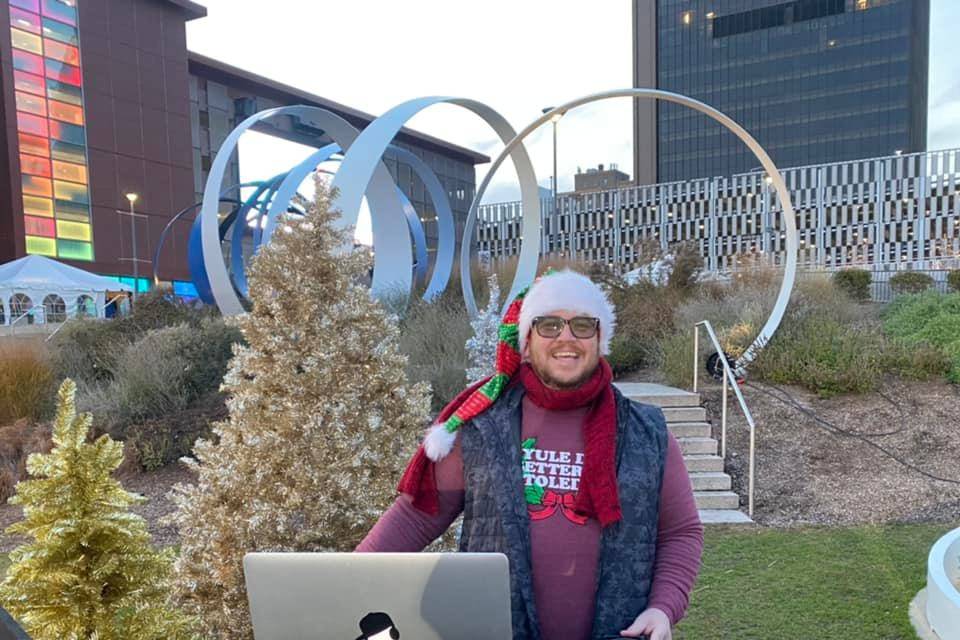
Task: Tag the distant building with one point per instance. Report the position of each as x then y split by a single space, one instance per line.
895 211
599 178
814 81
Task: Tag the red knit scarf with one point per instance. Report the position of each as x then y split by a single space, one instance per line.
597 496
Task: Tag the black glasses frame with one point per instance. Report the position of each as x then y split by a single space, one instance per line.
594 327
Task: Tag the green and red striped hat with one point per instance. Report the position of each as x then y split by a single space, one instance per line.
479 397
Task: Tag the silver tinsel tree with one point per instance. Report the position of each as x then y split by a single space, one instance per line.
322 422
482 347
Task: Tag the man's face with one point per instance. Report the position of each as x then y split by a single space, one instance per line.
564 362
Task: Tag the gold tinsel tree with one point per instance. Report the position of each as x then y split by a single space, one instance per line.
89 571
322 421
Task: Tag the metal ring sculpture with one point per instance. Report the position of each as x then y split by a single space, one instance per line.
446 241
174 219
392 267
382 195
362 173
789 217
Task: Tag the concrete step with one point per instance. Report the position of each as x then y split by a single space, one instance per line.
703 463
689 429
658 394
710 481
690 446
724 516
716 500
685 414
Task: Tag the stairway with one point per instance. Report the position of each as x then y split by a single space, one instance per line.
687 421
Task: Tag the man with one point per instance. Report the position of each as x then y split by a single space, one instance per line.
585 491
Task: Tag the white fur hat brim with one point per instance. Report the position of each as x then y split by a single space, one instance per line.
567 291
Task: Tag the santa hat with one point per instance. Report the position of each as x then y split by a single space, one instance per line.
567 291
555 291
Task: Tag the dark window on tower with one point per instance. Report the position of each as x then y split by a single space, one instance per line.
775 16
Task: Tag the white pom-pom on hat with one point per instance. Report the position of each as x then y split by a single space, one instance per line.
439 442
567 291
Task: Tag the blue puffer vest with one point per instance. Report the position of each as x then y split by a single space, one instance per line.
495 515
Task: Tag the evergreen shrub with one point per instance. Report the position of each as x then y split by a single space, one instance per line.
854 282
910 282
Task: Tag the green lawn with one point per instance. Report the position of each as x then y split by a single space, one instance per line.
778 584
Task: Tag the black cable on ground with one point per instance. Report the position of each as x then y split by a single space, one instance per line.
792 401
835 430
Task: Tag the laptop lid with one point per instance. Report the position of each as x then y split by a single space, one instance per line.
348 596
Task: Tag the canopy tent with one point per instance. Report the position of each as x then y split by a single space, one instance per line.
40 289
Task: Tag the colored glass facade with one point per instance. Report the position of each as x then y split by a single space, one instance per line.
814 81
51 132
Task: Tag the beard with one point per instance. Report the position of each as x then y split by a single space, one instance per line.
562 385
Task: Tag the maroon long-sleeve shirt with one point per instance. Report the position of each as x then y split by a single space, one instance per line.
565 546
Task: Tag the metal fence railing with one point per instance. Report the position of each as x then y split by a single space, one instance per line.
880 288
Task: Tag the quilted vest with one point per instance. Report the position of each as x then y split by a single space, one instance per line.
495 514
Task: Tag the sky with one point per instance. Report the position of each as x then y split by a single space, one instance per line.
516 56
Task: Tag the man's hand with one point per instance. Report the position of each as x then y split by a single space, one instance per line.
653 623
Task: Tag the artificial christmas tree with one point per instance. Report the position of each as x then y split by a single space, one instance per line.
90 572
322 421
482 347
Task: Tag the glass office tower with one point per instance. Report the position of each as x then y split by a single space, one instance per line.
815 81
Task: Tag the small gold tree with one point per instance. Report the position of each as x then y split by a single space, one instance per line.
322 421
89 571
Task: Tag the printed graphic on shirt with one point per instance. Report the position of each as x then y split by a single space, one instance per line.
550 481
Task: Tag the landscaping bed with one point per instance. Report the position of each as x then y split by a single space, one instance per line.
808 473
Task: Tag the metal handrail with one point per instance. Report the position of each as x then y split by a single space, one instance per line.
728 380
74 316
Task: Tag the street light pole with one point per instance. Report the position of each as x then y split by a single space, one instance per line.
553 183
555 118
132 197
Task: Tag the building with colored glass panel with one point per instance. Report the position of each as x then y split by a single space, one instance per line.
814 81
101 98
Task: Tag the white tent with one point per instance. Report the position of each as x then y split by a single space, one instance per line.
51 291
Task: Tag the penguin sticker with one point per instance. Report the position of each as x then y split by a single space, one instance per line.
378 626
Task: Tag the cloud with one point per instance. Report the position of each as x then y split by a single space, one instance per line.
946 136
949 95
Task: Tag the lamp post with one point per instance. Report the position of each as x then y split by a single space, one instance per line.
132 197
554 119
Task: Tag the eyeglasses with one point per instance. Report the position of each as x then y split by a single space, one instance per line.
552 326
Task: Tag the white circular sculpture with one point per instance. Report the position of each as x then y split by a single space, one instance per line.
943 586
524 278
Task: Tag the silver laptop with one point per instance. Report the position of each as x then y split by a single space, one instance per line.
378 596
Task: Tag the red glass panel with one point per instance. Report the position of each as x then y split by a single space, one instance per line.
45 227
29 83
63 72
28 123
31 104
34 145
24 20
60 51
66 112
35 166
29 62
